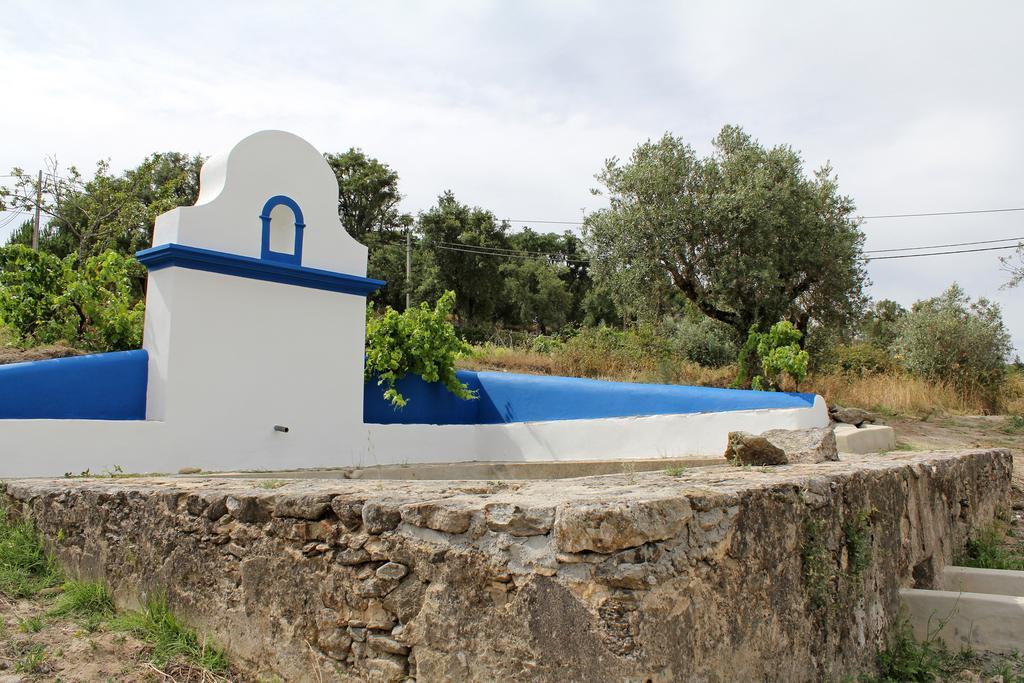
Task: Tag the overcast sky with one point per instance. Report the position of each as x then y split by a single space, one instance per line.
515 105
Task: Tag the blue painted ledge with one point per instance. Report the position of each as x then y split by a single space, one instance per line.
104 386
167 255
506 397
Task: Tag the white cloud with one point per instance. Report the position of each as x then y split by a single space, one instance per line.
515 105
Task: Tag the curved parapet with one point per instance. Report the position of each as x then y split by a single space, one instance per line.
234 209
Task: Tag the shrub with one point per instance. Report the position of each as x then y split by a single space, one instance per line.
953 340
779 354
703 341
44 299
419 340
603 351
544 343
859 359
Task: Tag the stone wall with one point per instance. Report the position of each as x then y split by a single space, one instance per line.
718 574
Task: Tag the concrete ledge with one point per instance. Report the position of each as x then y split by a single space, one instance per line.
485 471
973 580
980 621
865 439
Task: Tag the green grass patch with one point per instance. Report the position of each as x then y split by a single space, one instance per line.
25 566
170 637
908 660
87 601
1014 425
988 550
271 484
30 625
675 470
32 660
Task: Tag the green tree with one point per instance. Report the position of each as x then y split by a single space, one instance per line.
881 323
964 343
536 293
453 234
368 206
86 216
45 299
744 234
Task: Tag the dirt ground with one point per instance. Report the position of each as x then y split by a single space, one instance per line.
64 650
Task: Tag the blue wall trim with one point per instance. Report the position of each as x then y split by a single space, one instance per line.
265 251
105 386
167 255
507 397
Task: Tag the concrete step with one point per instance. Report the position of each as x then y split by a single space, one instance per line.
864 439
973 580
985 621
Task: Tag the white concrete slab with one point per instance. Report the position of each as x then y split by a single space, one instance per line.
865 439
974 580
980 621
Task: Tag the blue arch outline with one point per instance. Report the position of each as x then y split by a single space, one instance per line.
265 251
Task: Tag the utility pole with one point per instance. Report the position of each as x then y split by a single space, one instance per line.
408 268
39 202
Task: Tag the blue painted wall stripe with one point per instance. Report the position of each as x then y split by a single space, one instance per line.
105 386
167 255
507 397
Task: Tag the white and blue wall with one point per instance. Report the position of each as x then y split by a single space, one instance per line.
253 359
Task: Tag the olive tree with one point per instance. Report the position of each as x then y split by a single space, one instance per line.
960 342
744 234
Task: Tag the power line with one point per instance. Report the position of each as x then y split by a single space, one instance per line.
509 253
865 218
939 253
526 255
940 213
500 249
943 246
517 220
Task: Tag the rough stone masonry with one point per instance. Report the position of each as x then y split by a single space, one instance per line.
719 574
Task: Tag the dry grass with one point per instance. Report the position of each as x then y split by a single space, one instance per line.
894 393
584 363
13 354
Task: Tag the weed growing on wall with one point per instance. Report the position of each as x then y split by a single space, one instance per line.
858 542
421 341
822 575
818 564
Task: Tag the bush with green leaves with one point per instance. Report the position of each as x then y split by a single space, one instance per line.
703 340
768 357
92 305
956 341
858 359
420 340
